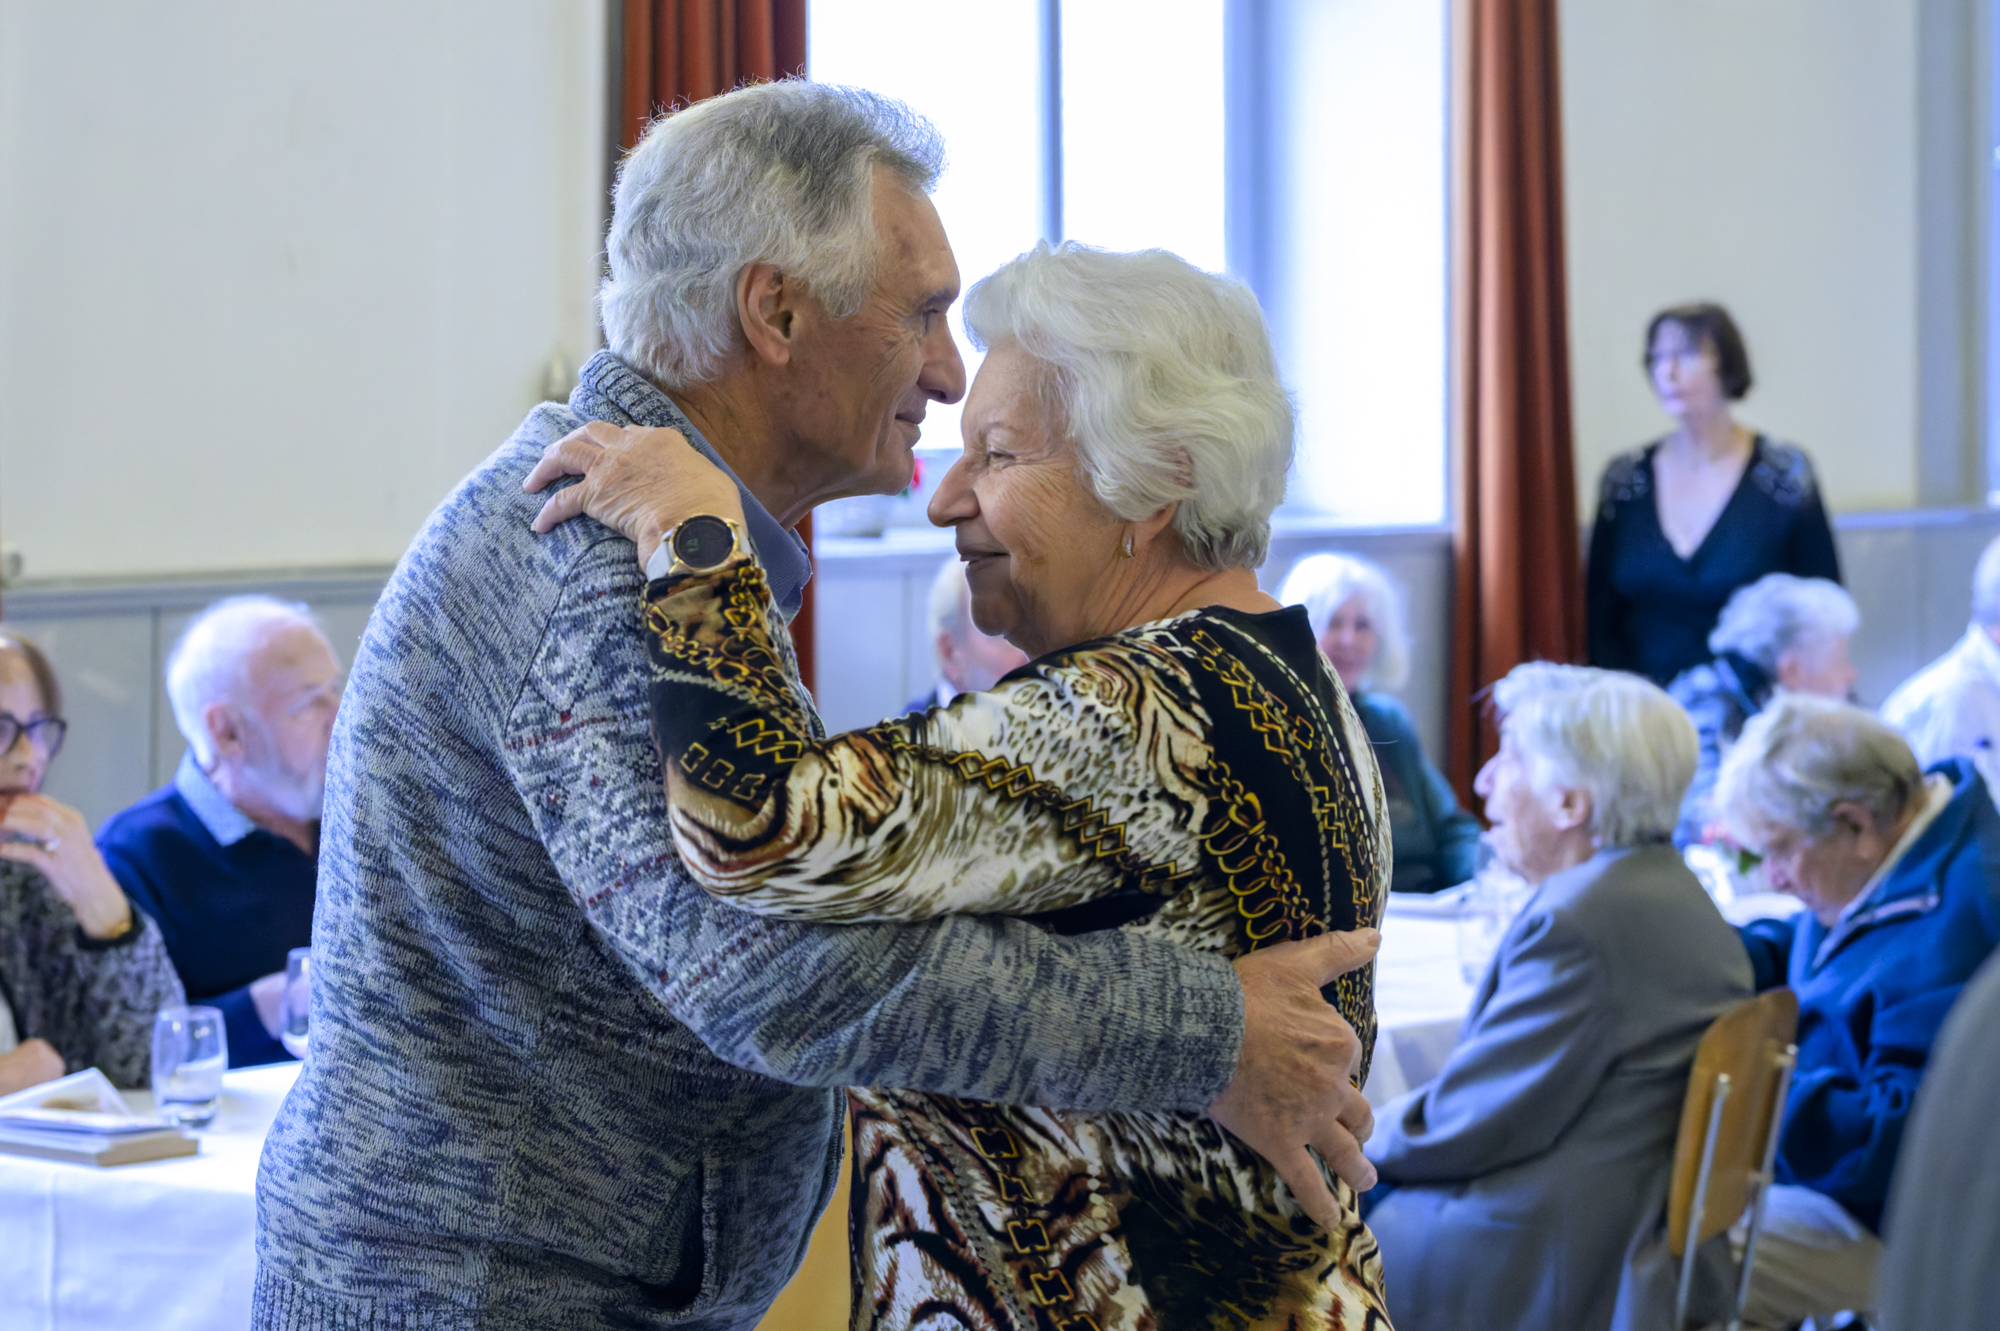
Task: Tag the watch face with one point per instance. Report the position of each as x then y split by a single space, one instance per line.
704 542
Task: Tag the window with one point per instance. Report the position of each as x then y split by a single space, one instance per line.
1297 143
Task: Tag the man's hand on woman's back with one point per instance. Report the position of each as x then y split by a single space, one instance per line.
1293 1087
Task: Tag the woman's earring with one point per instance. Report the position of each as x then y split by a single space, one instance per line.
1128 545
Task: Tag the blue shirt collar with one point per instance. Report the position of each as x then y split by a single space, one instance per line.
608 389
224 821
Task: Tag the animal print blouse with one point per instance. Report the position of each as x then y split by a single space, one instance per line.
1202 778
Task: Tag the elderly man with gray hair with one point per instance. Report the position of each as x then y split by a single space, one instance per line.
1951 708
1900 874
225 857
1525 1186
1778 633
553 1082
968 660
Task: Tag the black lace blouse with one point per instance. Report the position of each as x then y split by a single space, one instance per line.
1650 610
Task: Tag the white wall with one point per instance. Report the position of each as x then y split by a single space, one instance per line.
273 276
1763 153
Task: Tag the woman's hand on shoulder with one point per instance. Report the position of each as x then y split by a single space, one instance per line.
641 481
54 838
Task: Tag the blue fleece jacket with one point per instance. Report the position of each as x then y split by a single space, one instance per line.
1873 991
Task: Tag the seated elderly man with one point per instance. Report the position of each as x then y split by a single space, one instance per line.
1779 632
1526 1184
225 857
1951 708
1900 874
968 661
81 972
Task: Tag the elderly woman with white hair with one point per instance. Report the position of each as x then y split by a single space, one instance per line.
1177 759
1357 617
1780 633
1900 874
1525 1186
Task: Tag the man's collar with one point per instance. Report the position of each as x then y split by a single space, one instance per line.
224 821
610 390
1937 794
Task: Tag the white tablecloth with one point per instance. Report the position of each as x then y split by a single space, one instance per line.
163 1246
1420 1002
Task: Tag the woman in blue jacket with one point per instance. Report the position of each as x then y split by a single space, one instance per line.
1900 875
1356 615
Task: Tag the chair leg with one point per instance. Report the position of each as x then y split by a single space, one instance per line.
1696 1211
1762 1183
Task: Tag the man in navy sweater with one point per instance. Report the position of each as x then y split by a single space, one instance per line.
225 858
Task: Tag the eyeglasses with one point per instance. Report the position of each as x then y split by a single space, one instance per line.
45 733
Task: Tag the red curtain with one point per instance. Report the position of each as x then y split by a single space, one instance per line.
1519 592
680 51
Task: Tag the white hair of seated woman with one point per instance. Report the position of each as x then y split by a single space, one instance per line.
1617 737
1781 613
1324 582
1162 377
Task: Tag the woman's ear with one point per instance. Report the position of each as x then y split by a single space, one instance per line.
1149 527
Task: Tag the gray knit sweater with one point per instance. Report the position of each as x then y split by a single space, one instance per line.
553 1083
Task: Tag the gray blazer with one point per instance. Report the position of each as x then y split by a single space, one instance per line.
1531 1175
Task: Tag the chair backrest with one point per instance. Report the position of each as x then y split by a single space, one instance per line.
1747 1044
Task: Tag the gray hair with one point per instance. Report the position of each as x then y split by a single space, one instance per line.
209 662
779 173
1986 586
1162 376
1781 613
1617 737
1322 583
950 595
1802 755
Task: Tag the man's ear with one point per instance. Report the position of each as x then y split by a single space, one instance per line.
225 730
766 307
1857 818
1570 809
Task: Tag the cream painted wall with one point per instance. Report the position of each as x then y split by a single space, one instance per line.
273 276
1762 153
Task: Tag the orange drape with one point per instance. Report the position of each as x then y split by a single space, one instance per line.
1519 592
680 51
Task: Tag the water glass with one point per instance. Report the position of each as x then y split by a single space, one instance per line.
296 1016
190 1054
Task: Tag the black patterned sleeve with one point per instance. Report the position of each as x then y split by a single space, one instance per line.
1028 798
1812 553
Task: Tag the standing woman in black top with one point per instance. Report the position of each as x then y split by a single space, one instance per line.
1687 519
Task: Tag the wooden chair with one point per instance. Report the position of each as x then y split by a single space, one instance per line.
1729 1134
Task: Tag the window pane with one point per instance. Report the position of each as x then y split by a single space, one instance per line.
973 70
1359 307
1142 125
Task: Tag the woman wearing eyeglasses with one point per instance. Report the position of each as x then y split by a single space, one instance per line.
81 972
1689 518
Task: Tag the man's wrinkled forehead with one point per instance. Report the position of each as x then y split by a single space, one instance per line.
915 255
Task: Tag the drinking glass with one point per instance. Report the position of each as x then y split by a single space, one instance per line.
1492 899
297 1014
190 1053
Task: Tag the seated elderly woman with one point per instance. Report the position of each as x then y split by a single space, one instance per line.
81 972
1780 632
1177 759
1900 874
1525 1186
1357 618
